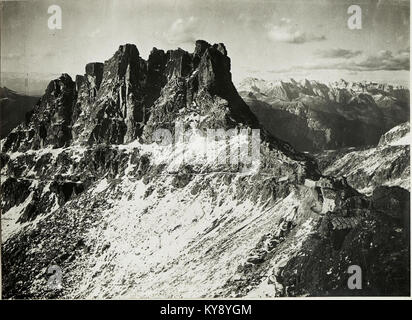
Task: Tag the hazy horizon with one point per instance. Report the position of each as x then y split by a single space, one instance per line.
271 40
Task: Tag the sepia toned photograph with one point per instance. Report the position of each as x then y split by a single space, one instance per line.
248 149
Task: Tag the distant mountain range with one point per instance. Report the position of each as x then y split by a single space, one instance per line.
313 116
31 84
13 109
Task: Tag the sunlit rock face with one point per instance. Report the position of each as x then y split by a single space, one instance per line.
365 169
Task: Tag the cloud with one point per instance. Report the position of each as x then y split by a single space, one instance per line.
285 21
247 19
182 31
406 50
284 31
12 56
338 53
384 60
95 33
19 55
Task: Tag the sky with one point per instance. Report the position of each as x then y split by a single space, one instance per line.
265 39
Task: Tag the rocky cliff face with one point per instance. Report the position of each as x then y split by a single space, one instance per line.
114 101
313 116
87 187
386 164
399 135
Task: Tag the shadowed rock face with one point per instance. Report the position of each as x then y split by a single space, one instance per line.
320 268
109 102
49 123
199 82
13 108
94 74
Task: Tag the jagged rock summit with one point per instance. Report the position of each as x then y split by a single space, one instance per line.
116 101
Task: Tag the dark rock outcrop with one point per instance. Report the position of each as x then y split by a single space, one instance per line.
199 82
49 123
321 268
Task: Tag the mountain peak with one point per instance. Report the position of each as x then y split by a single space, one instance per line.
200 47
115 101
